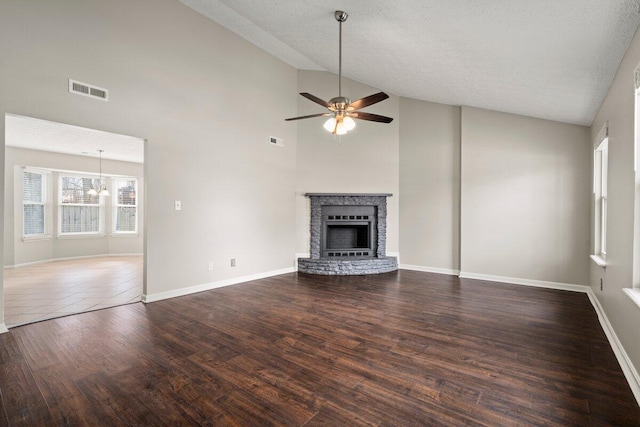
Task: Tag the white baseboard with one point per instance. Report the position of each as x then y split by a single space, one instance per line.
630 372
147 298
526 282
429 269
3 328
45 261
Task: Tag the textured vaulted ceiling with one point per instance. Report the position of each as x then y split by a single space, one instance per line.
552 59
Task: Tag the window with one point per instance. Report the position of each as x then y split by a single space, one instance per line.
125 205
634 291
34 203
80 213
600 167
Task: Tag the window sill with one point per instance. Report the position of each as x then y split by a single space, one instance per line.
80 236
35 239
124 234
600 262
634 294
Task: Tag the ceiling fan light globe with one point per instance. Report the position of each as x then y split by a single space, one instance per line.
348 123
330 124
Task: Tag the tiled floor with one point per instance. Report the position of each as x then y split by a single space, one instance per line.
60 288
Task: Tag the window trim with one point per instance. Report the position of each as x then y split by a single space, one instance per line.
600 180
115 205
100 205
46 203
634 292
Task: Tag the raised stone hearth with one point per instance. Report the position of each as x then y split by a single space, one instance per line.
348 235
347 266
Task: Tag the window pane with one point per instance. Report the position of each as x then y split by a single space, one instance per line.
605 161
32 187
126 219
603 227
80 219
600 192
33 197
74 190
126 192
33 219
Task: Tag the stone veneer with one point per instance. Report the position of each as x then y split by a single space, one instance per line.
347 266
357 266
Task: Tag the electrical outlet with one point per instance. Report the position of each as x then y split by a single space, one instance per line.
233 262
210 266
601 283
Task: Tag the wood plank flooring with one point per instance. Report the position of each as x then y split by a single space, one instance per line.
397 349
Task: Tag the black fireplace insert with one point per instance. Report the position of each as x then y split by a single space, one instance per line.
348 231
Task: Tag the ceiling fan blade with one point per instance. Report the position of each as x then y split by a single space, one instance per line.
315 99
367 100
308 117
371 117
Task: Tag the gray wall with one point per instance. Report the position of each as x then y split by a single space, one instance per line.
365 160
618 110
525 197
205 100
429 185
521 207
17 251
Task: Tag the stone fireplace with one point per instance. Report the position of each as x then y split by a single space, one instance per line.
348 235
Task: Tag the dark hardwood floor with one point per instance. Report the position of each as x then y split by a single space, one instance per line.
396 349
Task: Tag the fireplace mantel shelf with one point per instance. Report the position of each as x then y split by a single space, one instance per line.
348 194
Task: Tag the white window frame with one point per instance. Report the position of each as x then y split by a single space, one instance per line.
600 171
46 203
634 291
116 205
100 205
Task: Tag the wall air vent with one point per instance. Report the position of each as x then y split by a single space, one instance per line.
91 91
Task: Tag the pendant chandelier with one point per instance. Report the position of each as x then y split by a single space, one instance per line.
102 188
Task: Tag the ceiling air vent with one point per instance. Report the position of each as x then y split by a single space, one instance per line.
91 91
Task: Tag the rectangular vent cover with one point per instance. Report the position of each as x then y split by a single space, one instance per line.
348 253
91 91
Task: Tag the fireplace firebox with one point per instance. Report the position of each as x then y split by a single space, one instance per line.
348 231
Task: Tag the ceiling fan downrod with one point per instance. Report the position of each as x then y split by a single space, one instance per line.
340 17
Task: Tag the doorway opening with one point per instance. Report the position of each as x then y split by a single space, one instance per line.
74 229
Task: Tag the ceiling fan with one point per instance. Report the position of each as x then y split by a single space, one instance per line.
341 110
